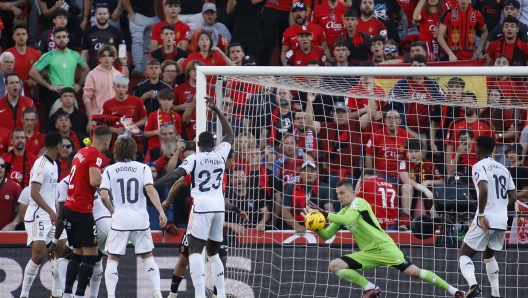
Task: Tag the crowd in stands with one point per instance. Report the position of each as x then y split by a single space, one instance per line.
69 64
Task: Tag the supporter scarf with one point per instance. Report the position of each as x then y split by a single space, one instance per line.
518 58
26 169
160 118
308 139
357 47
459 39
300 197
75 139
51 43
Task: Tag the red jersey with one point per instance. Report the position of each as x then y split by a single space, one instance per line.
284 5
331 22
408 7
80 191
12 120
184 93
359 103
210 60
296 57
500 47
462 54
182 32
341 146
421 171
383 197
131 109
156 119
428 25
24 63
289 38
387 150
20 167
35 143
502 121
480 127
5 139
507 87
289 172
9 193
240 92
372 27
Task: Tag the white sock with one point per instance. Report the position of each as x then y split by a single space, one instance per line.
63 268
29 276
492 268
95 281
56 287
111 277
452 290
67 295
153 274
369 286
468 269
196 267
217 269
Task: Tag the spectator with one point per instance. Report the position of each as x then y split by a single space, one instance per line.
99 35
257 175
367 22
289 164
341 53
503 122
63 126
275 20
141 18
385 148
131 110
259 106
68 147
474 125
419 118
24 57
306 138
365 97
115 9
280 120
163 116
207 53
9 192
13 104
461 32
171 9
7 64
60 65
34 139
391 53
15 7
426 14
246 27
236 54
507 85
359 42
386 11
5 136
18 160
341 141
99 88
329 15
518 172
167 155
510 8
60 20
149 88
169 73
308 188
382 196
190 13
227 109
79 121
289 40
377 45
417 173
241 146
218 31
420 48
463 159
305 52
168 49
491 12
252 201
510 45
184 93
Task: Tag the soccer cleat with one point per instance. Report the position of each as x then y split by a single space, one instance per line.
460 294
473 292
172 295
372 293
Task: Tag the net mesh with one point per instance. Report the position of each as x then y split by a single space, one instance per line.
417 133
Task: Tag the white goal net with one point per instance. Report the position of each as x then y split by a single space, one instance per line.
404 136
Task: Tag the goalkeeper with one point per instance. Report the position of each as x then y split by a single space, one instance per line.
377 248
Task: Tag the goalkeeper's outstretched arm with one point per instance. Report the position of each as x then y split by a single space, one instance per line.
338 220
329 232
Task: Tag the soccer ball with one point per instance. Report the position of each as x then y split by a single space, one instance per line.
315 221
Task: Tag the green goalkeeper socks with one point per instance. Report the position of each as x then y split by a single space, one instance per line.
353 276
433 279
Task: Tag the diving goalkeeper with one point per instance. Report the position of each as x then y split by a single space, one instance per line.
377 248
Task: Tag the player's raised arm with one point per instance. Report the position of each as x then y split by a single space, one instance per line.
226 127
170 177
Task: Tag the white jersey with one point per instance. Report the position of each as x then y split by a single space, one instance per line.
499 183
126 181
207 172
99 210
25 196
46 173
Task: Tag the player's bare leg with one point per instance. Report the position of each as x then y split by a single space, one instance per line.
217 267
340 268
178 274
38 253
433 279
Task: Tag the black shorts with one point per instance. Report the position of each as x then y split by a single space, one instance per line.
80 228
222 250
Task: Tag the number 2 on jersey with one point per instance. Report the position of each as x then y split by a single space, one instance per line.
131 196
385 192
72 173
500 182
207 175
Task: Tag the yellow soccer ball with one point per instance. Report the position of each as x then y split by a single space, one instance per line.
315 221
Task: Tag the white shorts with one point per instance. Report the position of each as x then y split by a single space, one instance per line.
205 226
478 240
103 228
41 230
117 241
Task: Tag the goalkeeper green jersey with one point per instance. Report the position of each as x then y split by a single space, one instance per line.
359 219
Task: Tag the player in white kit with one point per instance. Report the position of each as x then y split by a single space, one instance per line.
125 180
41 213
206 222
495 191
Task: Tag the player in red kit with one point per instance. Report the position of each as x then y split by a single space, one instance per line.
77 212
305 52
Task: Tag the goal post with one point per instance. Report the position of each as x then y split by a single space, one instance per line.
284 262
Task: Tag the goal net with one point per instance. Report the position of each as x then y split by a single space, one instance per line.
405 137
